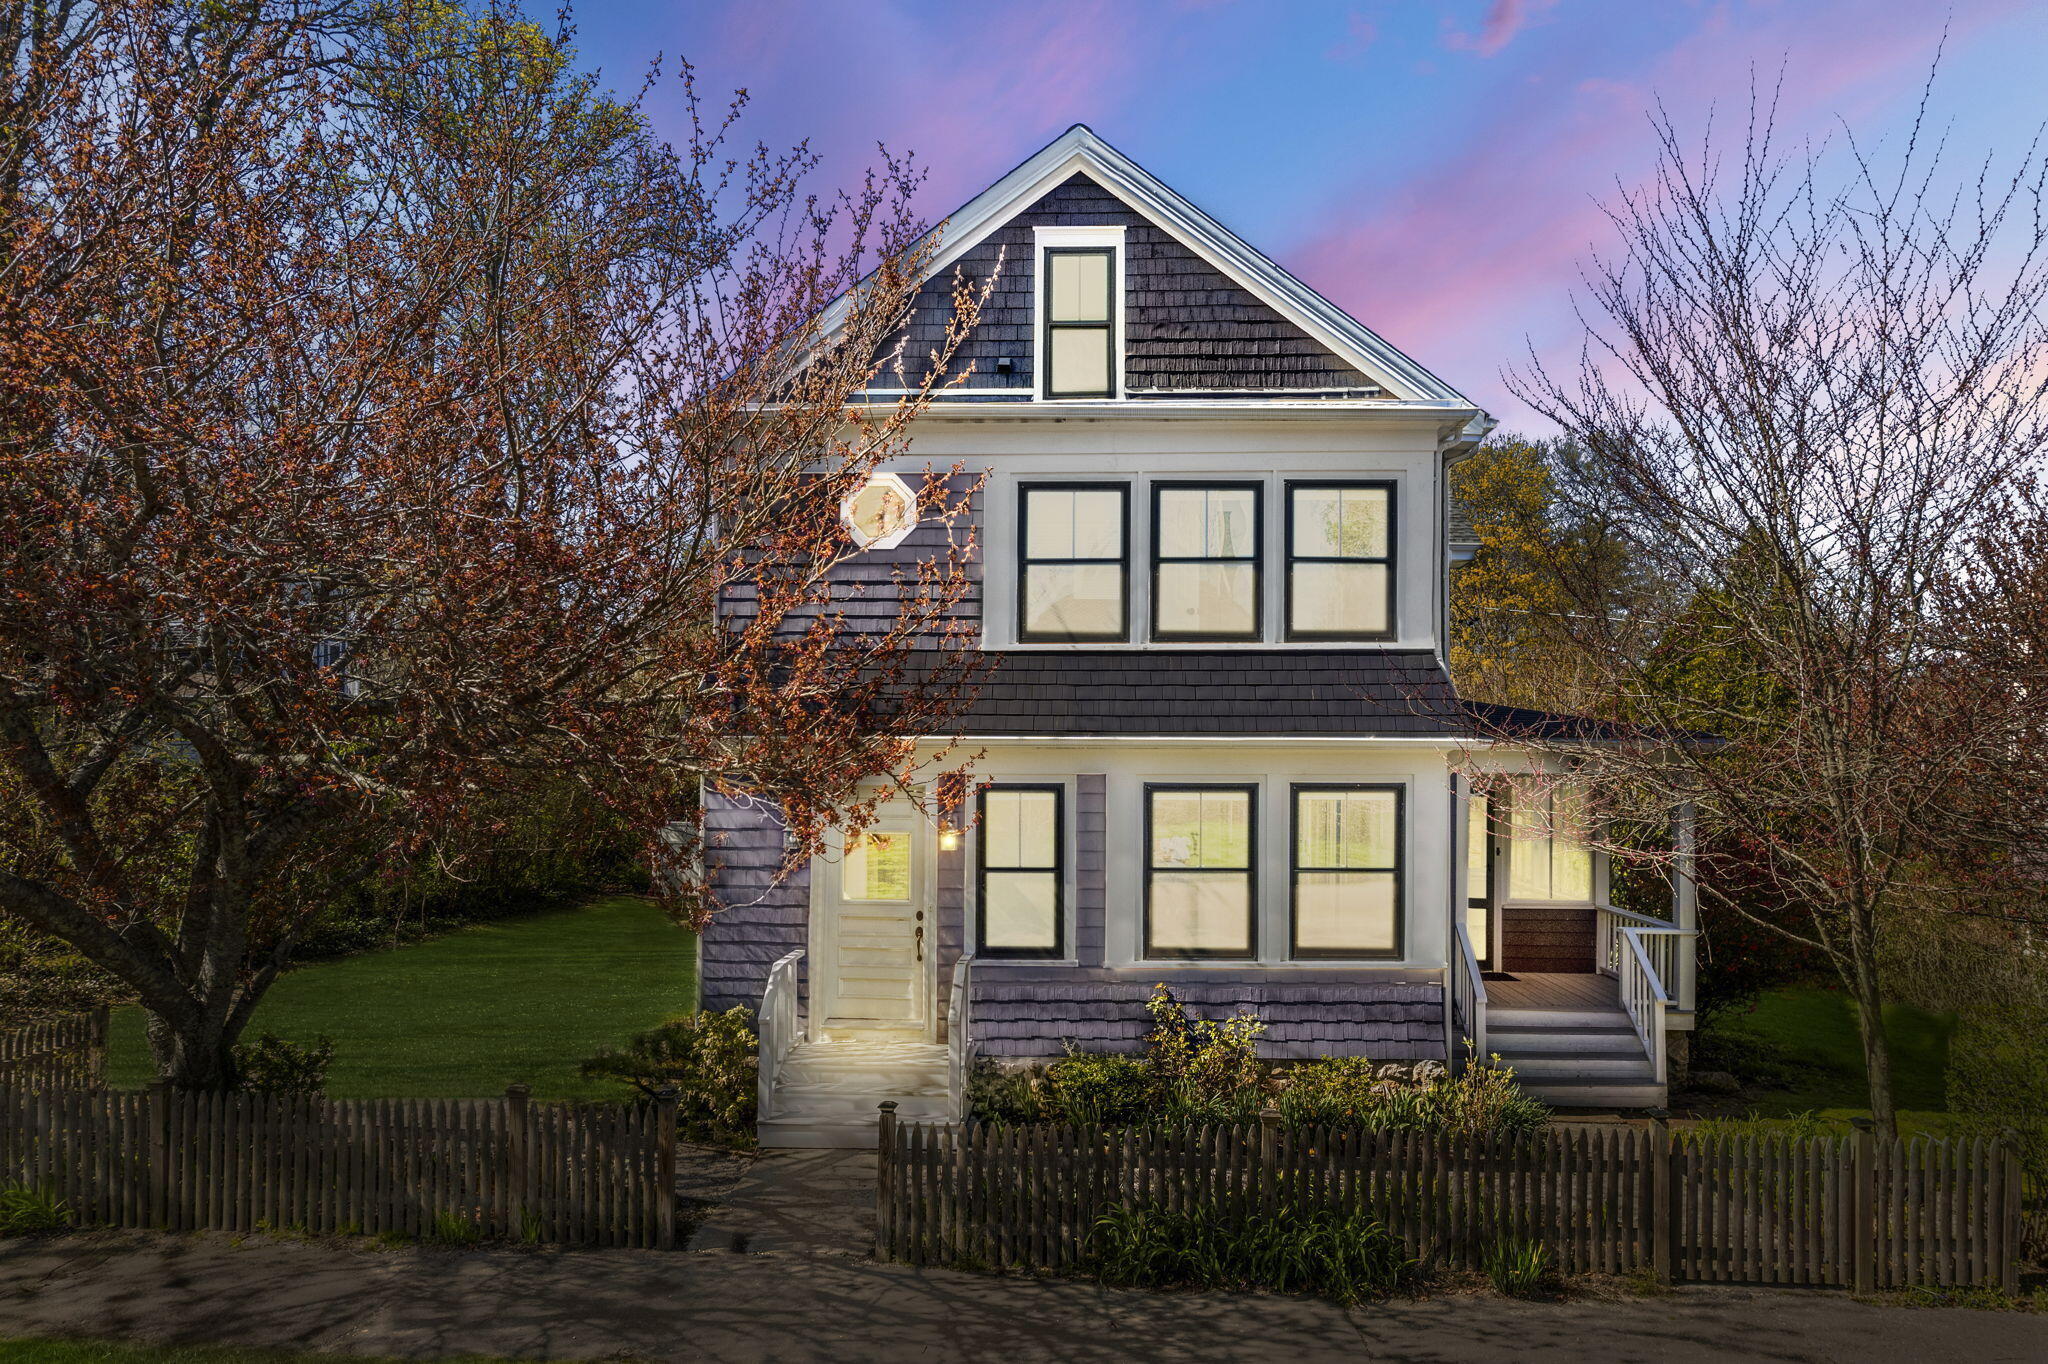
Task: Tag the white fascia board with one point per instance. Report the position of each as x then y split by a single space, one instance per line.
1079 149
1450 417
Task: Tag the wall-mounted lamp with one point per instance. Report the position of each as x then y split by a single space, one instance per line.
949 839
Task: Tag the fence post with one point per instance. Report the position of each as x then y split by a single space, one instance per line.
1269 1159
160 1154
1863 1212
518 1145
2009 1220
885 1178
1663 1226
96 1052
665 1168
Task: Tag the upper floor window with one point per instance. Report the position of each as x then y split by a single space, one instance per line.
1019 904
1078 351
1073 568
1340 561
1205 561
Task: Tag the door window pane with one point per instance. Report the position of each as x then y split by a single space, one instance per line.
1478 877
877 867
1347 881
1198 875
1021 877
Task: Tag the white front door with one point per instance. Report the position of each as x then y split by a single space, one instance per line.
874 929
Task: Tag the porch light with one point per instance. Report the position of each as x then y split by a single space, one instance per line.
949 838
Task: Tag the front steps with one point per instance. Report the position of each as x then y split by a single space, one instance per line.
1574 1057
829 1094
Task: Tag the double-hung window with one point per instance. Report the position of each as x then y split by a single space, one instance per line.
1347 871
1074 569
1340 561
1548 858
1020 898
1078 353
1205 561
1201 893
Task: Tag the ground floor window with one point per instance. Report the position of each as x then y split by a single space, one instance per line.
1479 876
1020 897
1548 856
1347 871
1200 888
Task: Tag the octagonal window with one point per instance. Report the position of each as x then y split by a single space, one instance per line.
880 513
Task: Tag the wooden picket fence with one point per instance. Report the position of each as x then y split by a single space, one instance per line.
1851 1212
588 1174
65 1053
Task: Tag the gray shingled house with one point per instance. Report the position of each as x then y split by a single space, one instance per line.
1221 750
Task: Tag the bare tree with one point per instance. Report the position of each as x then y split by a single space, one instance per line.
1811 381
384 412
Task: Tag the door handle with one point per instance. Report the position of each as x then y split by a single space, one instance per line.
920 942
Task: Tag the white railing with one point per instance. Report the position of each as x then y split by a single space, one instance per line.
1643 954
1468 997
959 1044
778 1023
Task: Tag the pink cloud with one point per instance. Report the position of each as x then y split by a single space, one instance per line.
1504 19
1359 33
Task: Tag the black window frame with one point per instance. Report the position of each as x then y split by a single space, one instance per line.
1025 561
1482 897
1257 559
1250 791
1391 559
1058 951
1295 950
1046 326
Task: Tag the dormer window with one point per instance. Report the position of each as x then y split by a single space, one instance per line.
1080 280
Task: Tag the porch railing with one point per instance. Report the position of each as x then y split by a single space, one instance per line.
1642 955
779 1030
959 1041
1468 997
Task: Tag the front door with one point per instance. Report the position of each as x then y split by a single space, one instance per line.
874 929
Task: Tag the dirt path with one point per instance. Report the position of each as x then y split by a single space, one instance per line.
720 1305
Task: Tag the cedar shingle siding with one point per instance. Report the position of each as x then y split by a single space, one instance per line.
757 919
1187 327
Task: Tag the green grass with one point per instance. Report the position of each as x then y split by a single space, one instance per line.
463 1016
123 1352
1803 1041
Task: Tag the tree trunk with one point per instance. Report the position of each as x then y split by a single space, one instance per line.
200 1057
1877 1057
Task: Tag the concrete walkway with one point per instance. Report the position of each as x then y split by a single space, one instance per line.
813 1202
720 1306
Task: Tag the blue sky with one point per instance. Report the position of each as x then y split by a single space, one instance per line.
1435 168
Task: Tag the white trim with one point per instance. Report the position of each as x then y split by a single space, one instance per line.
1111 238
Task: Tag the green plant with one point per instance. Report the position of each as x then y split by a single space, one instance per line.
1335 1254
1114 1091
1334 1091
1203 1069
530 1227
271 1065
27 1210
997 1094
1642 1282
1517 1268
708 1057
455 1229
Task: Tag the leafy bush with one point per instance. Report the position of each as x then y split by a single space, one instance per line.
1517 1268
710 1058
1008 1097
28 1211
1342 1255
271 1065
1335 1091
1202 1069
1114 1091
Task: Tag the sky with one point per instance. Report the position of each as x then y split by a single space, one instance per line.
1437 169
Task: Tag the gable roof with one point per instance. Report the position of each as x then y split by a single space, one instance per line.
1080 150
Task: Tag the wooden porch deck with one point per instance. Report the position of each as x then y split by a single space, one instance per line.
1552 990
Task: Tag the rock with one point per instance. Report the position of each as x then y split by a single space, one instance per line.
1715 1082
1392 1070
1429 1072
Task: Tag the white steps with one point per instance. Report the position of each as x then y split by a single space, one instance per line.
829 1094
1575 1057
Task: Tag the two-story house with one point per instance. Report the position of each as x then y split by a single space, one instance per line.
1220 749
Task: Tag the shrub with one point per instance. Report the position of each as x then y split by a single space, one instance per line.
28 1211
1203 1070
710 1058
1335 1091
1335 1254
1478 1101
1114 1091
271 1065
1006 1096
1517 1268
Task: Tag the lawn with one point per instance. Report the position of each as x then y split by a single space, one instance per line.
462 1016
1801 1041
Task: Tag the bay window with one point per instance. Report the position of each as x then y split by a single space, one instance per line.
1020 899
1347 871
1340 561
1074 565
1200 887
1205 561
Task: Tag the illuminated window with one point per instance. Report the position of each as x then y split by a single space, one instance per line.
1548 858
1340 560
1020 903
880 513
1199 884
1073 565
1079 356
1205 561
1347 871
877 867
